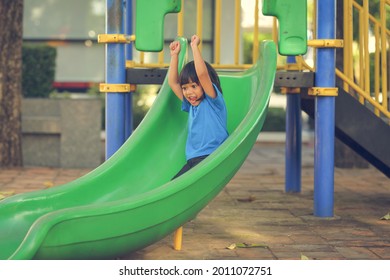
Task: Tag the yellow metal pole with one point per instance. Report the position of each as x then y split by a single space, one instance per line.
383 53
237 24
314 19
348 62
255 51
361 54
199 21
377 66
350 41
142 57
275 31
315 30
218 7
180 20
148 65
178 239
366 50
231 66
161 57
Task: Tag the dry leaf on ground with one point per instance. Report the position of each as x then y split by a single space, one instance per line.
245 245
231 246
5 194
48 184
303 257
386 217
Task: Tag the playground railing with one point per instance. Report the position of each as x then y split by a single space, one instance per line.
364 71
371 76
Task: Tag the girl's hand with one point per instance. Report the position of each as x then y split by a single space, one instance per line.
195 40
174 48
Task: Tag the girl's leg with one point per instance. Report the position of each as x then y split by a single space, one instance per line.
190 164
195 161
185 168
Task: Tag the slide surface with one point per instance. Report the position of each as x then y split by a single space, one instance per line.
130 202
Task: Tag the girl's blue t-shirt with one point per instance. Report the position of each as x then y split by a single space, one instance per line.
207 125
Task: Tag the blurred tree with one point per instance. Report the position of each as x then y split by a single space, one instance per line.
11 18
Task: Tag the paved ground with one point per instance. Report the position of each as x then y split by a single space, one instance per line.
255 213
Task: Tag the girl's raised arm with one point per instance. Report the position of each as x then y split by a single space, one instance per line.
173 73
201 68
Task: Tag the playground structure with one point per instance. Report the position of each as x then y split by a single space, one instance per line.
71 221
328 91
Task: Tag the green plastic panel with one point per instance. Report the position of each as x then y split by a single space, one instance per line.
292 17
149 23
130 202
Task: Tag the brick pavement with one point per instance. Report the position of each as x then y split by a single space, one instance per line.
254 209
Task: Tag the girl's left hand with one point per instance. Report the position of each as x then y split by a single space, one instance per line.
195 40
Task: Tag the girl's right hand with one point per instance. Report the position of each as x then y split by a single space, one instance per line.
174 48
195 40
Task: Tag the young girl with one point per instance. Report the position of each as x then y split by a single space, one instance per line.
198 87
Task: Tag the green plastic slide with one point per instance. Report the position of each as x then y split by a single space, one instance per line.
149 23
130 202
292 17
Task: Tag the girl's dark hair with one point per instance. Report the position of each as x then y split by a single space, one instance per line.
189 74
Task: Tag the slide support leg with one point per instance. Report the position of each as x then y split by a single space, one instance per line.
178 239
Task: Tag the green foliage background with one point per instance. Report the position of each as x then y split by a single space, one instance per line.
38 70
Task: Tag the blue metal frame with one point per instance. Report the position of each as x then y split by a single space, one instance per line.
115 74
293 154
129 56
324 113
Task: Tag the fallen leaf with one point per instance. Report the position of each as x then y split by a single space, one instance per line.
386 217
250 245
245 245
232 246
303 257
5 194
48 184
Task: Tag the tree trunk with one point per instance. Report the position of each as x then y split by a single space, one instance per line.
11 19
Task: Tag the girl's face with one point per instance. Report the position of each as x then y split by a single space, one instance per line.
193 93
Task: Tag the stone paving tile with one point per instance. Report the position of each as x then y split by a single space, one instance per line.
254 209
382 252
356 253
307 238
310 251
